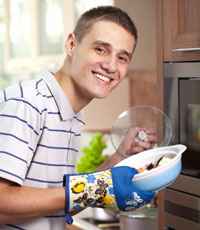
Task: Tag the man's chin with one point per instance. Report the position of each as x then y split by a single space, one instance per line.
101 96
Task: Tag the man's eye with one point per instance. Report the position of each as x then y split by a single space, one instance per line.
123 59
100 50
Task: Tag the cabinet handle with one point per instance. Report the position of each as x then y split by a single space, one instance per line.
186 49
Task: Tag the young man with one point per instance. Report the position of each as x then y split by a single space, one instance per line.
40 122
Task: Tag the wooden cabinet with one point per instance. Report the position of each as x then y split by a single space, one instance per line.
144 88
181 23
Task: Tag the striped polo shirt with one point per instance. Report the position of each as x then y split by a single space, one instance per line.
39 139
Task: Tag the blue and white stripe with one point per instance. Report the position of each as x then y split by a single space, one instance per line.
39 137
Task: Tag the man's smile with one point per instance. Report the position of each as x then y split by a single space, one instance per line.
102 77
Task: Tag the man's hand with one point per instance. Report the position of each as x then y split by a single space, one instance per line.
137 140
112 188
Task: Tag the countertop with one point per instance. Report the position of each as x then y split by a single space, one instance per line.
81 224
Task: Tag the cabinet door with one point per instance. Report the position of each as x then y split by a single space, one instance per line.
181 21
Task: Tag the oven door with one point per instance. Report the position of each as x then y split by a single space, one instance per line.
189 123
182 105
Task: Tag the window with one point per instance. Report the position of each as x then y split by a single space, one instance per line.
33 34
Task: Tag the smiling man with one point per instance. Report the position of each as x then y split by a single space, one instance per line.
97 62
40 125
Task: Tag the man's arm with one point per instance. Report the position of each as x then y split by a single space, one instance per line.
20 203
112 160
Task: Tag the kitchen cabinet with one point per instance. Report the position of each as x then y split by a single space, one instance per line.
144 88
181 30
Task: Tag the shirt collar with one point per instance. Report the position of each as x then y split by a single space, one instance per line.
62 102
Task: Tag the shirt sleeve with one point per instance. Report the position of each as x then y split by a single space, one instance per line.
20 129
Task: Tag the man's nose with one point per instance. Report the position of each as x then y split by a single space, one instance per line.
110 65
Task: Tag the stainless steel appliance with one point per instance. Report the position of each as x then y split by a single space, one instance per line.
182 104
141 219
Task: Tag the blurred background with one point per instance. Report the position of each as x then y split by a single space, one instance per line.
164 72
32 37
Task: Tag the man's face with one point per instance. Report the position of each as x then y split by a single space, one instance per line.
100 61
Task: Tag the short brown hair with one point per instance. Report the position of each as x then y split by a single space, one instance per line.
104 13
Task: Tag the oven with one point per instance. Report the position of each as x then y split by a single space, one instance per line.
182 105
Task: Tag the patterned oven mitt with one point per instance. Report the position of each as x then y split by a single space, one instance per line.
112 188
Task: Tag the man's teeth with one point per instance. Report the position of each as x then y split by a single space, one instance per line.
102 77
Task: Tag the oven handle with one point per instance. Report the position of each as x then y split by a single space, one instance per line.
194 49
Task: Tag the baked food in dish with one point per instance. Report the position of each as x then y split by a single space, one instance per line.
166 158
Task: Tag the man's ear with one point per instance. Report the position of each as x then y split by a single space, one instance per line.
70 44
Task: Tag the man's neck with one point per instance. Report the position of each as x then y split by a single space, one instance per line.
74 95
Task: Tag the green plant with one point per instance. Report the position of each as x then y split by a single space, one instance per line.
92 155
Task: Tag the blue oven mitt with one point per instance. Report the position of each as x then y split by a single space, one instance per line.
113 188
